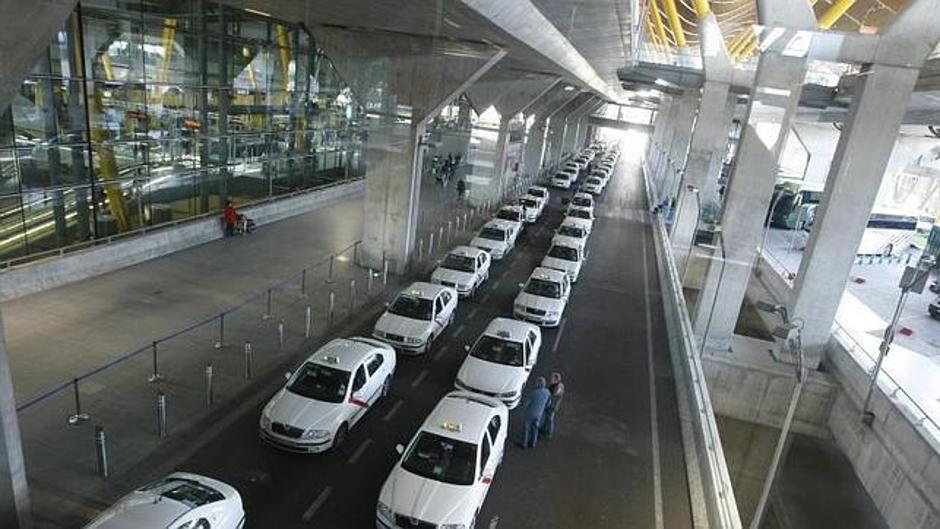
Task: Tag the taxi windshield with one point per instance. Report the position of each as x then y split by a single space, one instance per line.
319 382
563 252
562 176
543 288
498 351
584 202
460 263
537 192
508 214
189 492
594 181
493 234
579 214
528 202
571 231
412 307
442 459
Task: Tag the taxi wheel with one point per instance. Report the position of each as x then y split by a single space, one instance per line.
386 385
340 436
427 346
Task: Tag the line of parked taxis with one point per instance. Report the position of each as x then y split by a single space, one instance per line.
444 473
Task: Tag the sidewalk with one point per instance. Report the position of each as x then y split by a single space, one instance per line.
56 335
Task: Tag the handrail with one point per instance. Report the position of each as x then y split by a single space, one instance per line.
712 469
29 259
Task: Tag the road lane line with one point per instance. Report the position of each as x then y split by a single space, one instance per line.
419 379
561 330
317 503
486 298
459 330
472 314
391 413
440 352
494 522
497 282
654 412
359 451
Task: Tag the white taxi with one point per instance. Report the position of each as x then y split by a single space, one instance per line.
541 193
514 213
583 200
417 317
543 298
445 472
501 360
532 206
563 179
497 237
593 185
602 173
464 269
586 215
566 257
327 395
178 501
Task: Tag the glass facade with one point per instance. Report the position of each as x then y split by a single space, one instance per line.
145 112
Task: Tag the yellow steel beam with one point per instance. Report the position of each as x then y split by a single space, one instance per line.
672 13
658 22
283 42
749 49
701 7
169 38
106 66
738 41
835 12
107 164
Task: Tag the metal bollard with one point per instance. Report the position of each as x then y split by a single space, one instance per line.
161 415
303 283
450 231
332 306
431 244
210 394
440 236
384 273
219 344
267 313
330 278
369 283
356 252
155 376
308 321
420 249
465 219
352 294
248 360
101 448
78 417
280 334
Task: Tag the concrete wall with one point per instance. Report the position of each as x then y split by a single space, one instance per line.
55 272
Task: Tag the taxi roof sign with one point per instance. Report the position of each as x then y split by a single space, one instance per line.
451 426
502 333
331 359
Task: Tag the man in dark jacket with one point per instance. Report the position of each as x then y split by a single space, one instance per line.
557 389
534 404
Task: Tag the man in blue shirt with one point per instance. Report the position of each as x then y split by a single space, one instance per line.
533 404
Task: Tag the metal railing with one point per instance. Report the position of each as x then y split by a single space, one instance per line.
707 468
32 258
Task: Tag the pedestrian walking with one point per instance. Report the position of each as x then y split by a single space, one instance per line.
534 404
557 390
461 188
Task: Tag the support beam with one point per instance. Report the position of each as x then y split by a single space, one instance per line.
556 124
678 145
573 124
14 492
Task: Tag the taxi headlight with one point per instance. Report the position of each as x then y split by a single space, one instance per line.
551 313
413 339
464 287
519 306
316 434
384 511
461 384
265 420
378 333
508 394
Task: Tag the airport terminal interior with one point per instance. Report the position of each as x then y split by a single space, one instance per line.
470 264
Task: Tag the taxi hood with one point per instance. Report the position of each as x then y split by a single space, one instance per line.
560 264
427 499
539 302
402 326
492 377
140 509
295 410
452 276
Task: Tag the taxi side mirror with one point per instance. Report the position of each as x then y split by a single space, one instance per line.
466 348
387 304
287 375
400 449
521 285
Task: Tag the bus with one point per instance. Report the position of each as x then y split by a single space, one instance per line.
888 234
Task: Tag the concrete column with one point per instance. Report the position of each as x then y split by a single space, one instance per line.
660 124
679 146
574 123
558 126
535 146
14 492
663 161
851 189
706 150
778 84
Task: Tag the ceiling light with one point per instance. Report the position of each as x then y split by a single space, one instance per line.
256 12
568 88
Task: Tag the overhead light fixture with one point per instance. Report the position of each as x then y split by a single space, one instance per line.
569 88
256 12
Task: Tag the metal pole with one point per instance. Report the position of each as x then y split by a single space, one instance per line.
101 445
303 283
711 312
330 278
440 236
308 321
796 228
431 244
465 218
155 376
219 344
868 417
332 305
209 390
384 273
280 334
352 294
248 360
267 313
698 219
369 283
420 249
161 415
78 417
450 231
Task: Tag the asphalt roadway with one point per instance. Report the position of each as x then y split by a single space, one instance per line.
616 460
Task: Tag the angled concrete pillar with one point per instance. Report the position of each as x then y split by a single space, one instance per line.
709 137
661 124
418 77
778 84
573 124
855 177
584 125
556 126
664 161
535 139
678 147
14 492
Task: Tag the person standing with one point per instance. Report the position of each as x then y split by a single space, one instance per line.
461 188
231 218
557 390
534 404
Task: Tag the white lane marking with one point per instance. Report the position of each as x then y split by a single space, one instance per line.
359 451
494 522
497 282
419 379
317 503
440 352
459 330
472 314
654 413
561 329
391 413
486 298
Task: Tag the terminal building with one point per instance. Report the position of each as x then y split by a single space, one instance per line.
528 263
